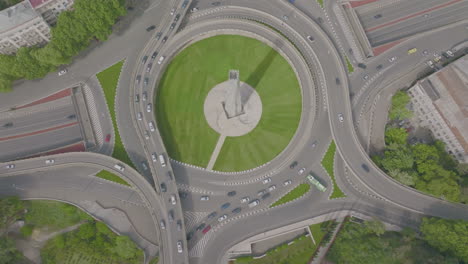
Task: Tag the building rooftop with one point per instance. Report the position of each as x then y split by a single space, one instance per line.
36 3
16 15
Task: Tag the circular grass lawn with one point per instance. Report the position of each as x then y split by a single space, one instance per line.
195 71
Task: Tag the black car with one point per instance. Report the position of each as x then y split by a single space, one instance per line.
184 4
201 226
237 210
378 16
183 195
145 58
365 167
9 124
231 193
158 35
189 235
73 116
179 225
213 214
155 54
337 80
225 206
177 17
379 67
163 187
293 165
265 196
172 26
146 81
169 175
150 28
362 65
164 39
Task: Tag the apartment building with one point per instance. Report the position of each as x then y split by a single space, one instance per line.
440 102
50 9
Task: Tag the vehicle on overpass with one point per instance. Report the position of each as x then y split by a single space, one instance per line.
315 182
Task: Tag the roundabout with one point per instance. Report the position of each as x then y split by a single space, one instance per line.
191 111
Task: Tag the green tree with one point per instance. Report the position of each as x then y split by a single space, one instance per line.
375 227
397 157
28 66
8 252
449 236
398 110
11 209
407 178
395 135
125 248
86 231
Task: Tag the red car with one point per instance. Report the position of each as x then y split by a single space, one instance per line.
108 137
206 229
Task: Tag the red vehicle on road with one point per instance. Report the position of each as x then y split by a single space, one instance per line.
108 137
206 229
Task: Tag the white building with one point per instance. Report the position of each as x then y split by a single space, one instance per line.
50 9
441 104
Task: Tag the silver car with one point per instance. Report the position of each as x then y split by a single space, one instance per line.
179 246
148 108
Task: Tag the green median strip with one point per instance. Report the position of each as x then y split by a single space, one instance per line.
109 79
111 177
349 65
328 164
295 193
320 2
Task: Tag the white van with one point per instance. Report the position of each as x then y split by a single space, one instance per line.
162 160
161 59
119 167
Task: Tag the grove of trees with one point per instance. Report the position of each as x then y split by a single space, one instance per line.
73 32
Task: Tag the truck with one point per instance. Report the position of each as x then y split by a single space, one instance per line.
316 183
162 160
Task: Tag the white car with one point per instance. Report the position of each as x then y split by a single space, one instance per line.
254 203
139 116
340 117
267 180
301 171
144 96
271 188
286 183
173 199
119 167
204 198
179 246
366 77
195 9
450 53
162 224
153 157
172 11
430 64
161 59
10 166
49 161
245 199
148 108
147 135
151 126
62 72
392 59
222 218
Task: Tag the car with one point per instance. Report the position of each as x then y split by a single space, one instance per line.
50 161
205 198
143 164
162 223
9 124
285 17
392 59
171 215
162 160
430 64
62 72
193 10
179 246
365 167
450 53
154 55
163 187
137 98
437 58
287 182
145 82
169 176
154 157
164 39
225 206
161 59
271 188
426 15
254 203
261 192
245 199
222 218
365 77
138 79
172 199
158 35
293 165
148 108
267 180
72 116
151 126
172 11
177 17
379 67
320 20
189 235
147 134
216 3
314 144
204 231
231 193
144 96
265 196
152 27
362 65
107 138
310 38
172 26
301 171
184 4
337 81
237 210
201 226
340 117
119 167
183 195
139 116
211 215
148 68
179 225
144 59
425 52
10 166
412 50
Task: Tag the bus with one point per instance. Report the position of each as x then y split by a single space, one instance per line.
316 183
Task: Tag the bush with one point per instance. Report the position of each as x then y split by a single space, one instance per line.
27 230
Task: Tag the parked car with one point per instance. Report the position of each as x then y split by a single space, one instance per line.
265 196
204 198
152 27
245 199
301 171
222 218
271 188
211 215
201 226
62 72
225 206
287 182
108 137
267 180
261 192
206 229
237 210
231 193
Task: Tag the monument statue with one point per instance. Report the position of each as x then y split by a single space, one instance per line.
232 104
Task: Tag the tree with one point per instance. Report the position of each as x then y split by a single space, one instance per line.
125 248
86 231
11 209
449 236
444 188
397 157
28 66
8 252
396 136
399 110
375 227
406 178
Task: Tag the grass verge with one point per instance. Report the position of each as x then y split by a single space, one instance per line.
328 164
295 193
109 79
111 177
320 2
349 65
